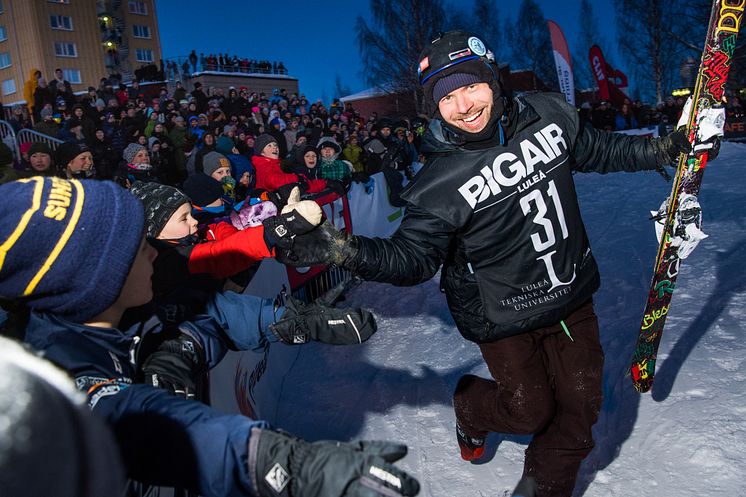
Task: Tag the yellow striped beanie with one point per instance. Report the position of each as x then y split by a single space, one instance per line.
66 247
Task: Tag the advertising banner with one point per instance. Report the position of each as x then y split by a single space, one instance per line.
563 61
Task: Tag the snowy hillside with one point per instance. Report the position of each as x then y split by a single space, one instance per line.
686 439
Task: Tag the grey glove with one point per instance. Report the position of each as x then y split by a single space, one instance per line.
281 465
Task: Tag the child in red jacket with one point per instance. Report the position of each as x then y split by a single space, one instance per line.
220 250
269 175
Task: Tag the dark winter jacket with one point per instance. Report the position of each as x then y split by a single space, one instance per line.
505 220
306 172
105 158
163 438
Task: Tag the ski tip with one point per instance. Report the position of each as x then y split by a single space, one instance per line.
642 386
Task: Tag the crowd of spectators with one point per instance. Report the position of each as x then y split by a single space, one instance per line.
222 62
636 114
178 129
151 296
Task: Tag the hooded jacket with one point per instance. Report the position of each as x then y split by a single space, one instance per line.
505 220
29 87
157 431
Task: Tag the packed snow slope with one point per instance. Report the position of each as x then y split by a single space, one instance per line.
686 439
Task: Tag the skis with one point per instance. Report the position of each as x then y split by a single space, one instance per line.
681 213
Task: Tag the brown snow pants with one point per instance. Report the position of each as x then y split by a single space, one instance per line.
545 384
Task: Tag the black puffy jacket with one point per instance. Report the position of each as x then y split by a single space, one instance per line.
505 220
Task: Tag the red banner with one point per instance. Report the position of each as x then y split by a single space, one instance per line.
598 66
611 82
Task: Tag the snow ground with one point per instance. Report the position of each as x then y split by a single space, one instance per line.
686 439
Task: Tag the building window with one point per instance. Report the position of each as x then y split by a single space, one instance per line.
61 22
3 34
140 31
9 86
4 60
144 55
65 49
2 9
72 75
138 7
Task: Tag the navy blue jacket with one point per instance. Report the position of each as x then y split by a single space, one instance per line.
164 440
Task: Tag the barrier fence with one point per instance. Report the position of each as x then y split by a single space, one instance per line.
251 382
8 137
14 140
29 135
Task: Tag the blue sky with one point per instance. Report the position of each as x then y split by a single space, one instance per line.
315 39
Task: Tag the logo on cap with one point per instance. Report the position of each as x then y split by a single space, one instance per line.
459 54
424 64
477 46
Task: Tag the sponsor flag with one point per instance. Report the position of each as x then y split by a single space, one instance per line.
563 62
598 66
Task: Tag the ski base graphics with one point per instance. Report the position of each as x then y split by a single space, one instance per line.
681 213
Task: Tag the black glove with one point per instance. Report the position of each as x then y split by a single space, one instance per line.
678 143
175 366
336 186
296 218
302 322
675 144
281 465
323 245
280 196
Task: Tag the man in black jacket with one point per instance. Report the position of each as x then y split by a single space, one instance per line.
495 204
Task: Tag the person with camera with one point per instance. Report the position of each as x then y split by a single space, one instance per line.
387 154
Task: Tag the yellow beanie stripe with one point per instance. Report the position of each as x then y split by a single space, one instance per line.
79 199
35 205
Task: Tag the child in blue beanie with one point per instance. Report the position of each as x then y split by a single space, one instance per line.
74 252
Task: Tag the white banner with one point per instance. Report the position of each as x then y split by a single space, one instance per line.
563 62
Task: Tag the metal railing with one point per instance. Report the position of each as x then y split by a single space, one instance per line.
29 135
8 137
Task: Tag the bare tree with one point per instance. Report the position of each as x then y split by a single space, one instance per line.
486 23
532 45
645 40
340 90
588 35
391 44
689 31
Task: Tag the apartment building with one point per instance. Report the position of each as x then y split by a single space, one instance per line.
87 39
